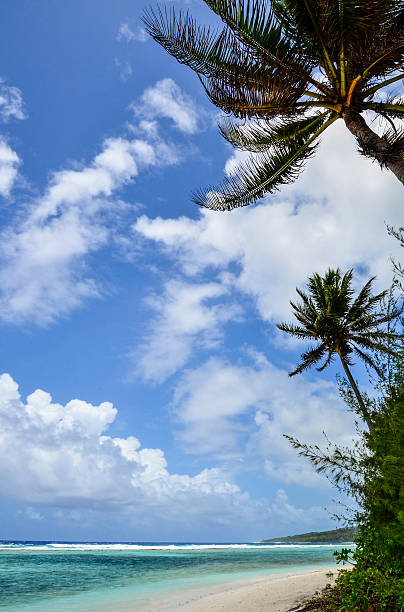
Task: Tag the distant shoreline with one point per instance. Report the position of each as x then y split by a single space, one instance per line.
342 535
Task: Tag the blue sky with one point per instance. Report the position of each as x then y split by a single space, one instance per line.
144 391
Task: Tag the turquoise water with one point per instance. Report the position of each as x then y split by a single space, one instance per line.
87 577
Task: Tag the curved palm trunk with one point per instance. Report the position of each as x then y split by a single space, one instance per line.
370 142
365 412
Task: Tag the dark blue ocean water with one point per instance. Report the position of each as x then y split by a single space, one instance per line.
84 577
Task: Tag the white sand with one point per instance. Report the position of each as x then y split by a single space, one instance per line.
273 594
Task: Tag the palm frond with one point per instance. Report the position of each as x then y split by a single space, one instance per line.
207 51
259 135
338 292
369 322
368 360
316 286
380 55
295 330
361 20
256 93
327 362
393 108
317 30
261 174
310 357
305 312
361 304
368 91
376 344
256 25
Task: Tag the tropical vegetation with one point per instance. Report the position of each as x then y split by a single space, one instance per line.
286 70
371 474
342 534
342 326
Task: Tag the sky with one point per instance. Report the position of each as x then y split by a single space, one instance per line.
144 388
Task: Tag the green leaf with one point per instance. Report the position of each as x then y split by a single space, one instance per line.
259 135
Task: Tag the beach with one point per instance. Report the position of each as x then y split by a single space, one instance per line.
271 594
159 577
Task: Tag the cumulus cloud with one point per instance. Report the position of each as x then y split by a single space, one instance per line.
334 215
44 253
9 162
62 456
242 411
126 33
187 314
166 99
43 273
11 107
11 103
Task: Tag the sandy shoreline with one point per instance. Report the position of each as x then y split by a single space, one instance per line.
276 593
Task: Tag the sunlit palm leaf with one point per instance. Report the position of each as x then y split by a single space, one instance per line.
260 135
292 66
208 52
256 25
263 173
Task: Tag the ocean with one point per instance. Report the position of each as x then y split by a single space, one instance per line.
124 577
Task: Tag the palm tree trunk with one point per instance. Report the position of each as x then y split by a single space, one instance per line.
373 145
365 412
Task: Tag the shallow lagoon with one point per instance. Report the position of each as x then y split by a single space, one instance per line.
87 577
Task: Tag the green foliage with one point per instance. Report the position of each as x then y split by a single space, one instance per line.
376 579
378 576
371 474
343 534
287 69
342 325
376 582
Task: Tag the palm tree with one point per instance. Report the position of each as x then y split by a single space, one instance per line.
286 70
341 325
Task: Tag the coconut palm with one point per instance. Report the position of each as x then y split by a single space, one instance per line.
286 70
342 325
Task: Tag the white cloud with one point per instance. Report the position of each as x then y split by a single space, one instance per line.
11 104
9 162
61 456
237 158
334 215
125 69
241 412
126 33
31 514
187 314
43 273
285 513
166 99
44 253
